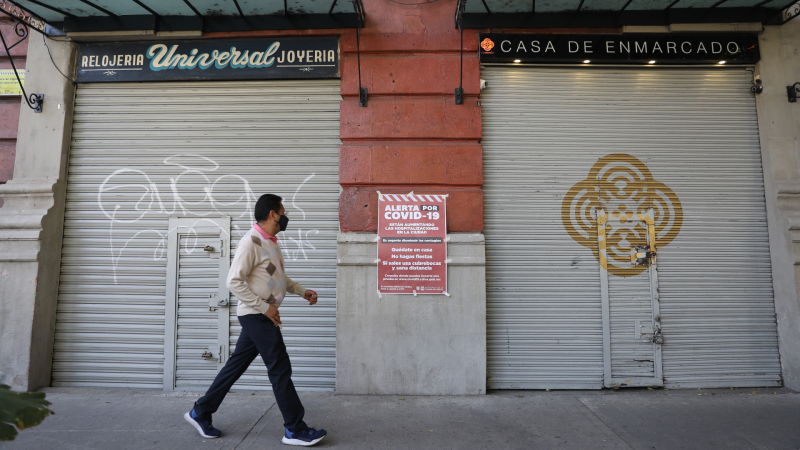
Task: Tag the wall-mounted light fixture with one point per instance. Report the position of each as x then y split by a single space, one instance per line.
792 91
757 87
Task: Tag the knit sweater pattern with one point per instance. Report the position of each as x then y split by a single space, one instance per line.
258 277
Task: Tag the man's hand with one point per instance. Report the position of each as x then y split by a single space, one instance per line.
273 315
311 296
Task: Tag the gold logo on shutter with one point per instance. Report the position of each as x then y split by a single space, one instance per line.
622 187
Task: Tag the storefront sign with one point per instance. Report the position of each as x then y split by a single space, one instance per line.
294 57
412 244
628 48
8 82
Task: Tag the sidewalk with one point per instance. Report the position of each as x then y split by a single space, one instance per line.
626 419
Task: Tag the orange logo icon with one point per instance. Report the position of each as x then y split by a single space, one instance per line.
622 193
487 45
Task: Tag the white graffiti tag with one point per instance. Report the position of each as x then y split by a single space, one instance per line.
129 196
302 239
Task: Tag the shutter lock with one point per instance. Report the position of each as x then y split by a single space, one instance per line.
213 352
216 250
642 256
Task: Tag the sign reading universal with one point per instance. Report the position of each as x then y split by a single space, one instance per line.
296 57
626 48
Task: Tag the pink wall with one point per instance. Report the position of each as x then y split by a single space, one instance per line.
9 106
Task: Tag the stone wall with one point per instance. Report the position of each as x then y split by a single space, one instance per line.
31 222
779 127
405 344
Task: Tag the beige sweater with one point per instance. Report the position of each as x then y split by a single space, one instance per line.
257 277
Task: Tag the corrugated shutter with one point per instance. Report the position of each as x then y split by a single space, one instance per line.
144 152
629 302
696 132
196 329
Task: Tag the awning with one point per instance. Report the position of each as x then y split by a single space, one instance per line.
195 15
615 13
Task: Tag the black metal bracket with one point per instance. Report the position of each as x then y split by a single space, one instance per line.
362 91
38 102
358 6
790 12
459 96
460 6
460 89
35 101
792 91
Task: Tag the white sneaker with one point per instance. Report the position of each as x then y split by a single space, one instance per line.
305 438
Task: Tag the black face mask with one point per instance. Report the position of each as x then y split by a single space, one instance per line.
283 222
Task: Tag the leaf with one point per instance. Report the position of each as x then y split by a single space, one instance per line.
22 409
7 432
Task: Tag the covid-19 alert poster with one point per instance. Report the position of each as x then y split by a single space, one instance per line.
412 244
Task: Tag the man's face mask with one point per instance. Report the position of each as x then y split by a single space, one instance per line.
283 222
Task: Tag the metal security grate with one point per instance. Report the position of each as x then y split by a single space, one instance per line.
197 324
696 132
143 152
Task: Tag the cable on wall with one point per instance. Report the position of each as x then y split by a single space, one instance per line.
460 88
52 61
362 91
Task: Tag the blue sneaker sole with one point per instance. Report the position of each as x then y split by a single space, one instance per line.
197 426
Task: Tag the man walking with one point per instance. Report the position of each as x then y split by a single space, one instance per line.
258 280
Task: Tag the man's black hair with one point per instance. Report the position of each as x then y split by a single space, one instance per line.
265 204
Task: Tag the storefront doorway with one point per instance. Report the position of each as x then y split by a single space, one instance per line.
570 150
144 155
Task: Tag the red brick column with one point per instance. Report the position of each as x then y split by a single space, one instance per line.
412 135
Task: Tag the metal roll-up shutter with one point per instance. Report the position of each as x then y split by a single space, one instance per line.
695 132
197 327
142 152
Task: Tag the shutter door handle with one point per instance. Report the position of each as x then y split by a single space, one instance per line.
215 253
210 353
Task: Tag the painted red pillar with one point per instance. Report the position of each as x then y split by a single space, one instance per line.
411 135
9 106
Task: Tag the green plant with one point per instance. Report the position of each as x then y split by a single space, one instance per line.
20 409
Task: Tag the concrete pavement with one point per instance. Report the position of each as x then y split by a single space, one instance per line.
626 419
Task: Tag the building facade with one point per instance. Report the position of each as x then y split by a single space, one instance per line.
10 103
621 194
